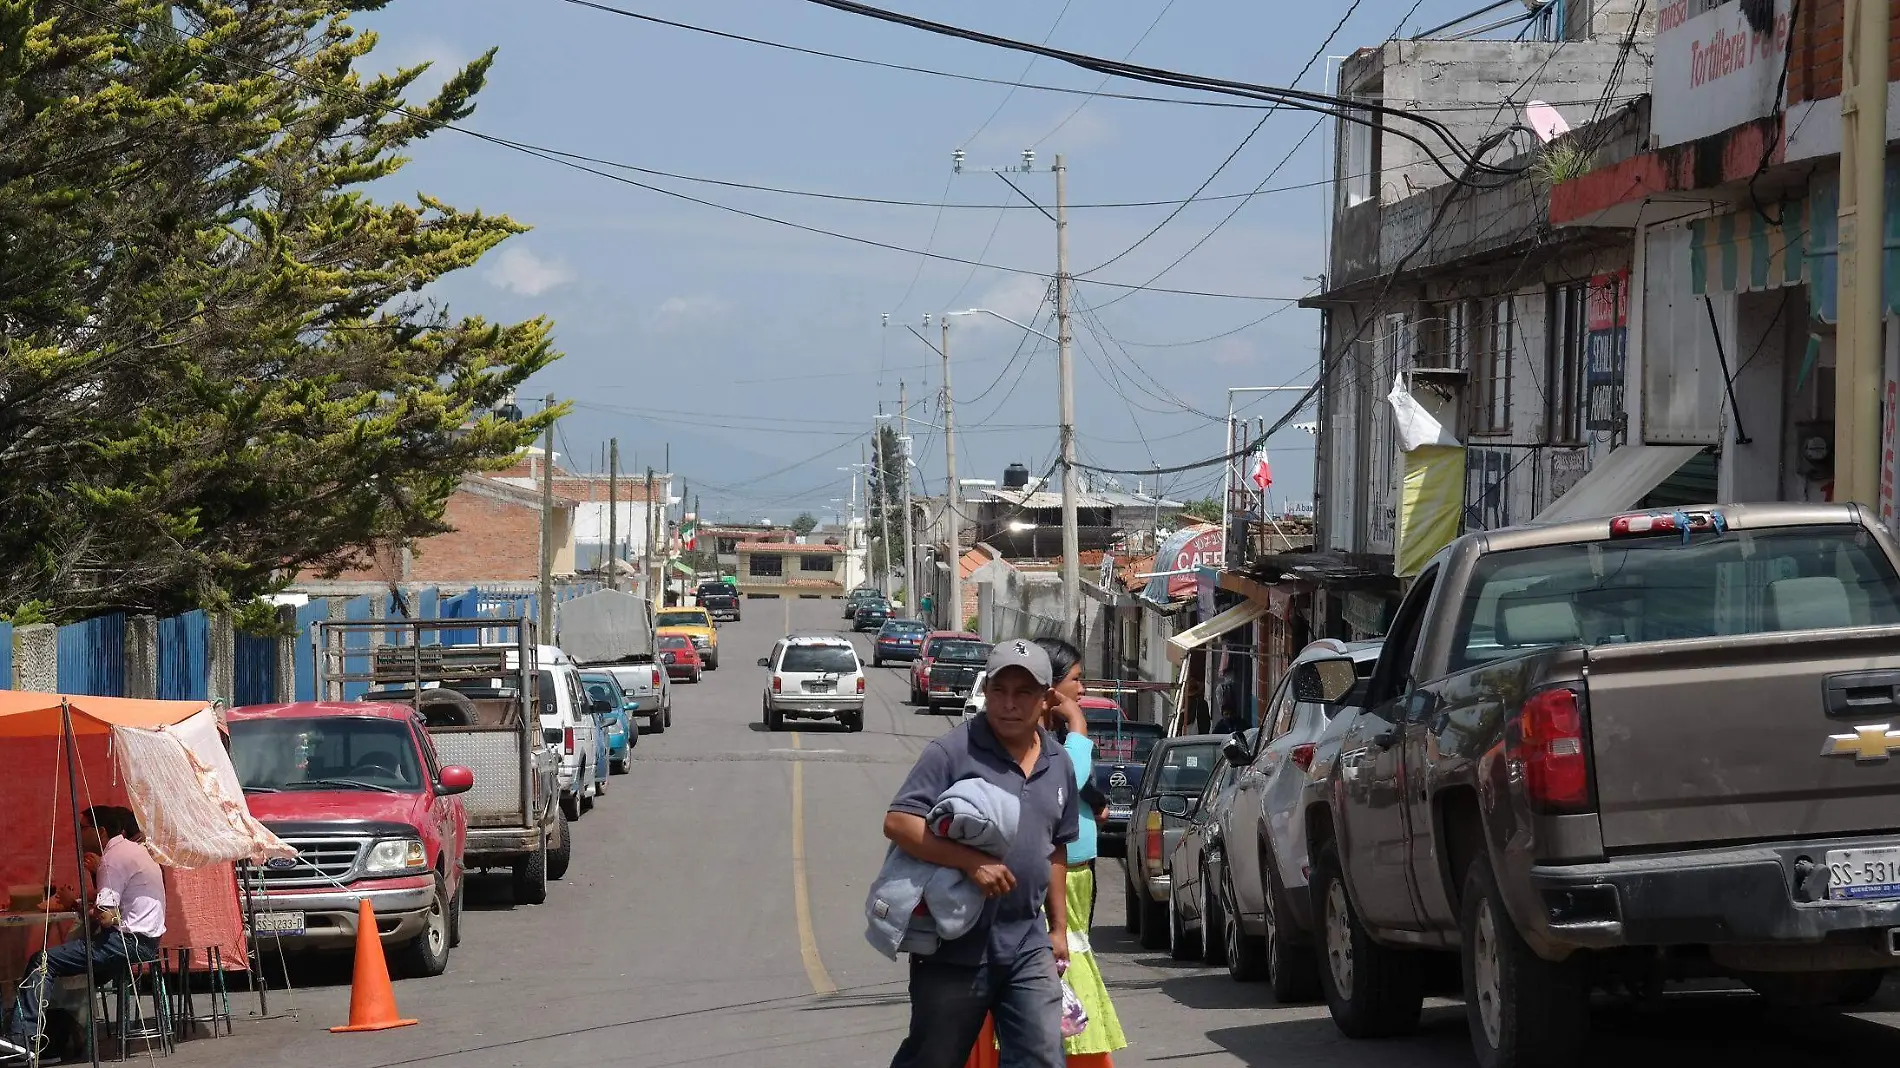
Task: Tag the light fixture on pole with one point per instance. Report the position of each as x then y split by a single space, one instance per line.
1020 527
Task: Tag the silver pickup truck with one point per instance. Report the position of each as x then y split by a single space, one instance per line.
1612 754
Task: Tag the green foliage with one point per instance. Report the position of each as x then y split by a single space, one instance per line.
219 368
886 492
29 613
1207 510
804 524
1562 160
260 619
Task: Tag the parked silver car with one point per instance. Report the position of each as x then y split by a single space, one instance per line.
1195 916
1177 772
1261 864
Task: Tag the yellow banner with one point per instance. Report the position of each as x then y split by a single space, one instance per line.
1429 506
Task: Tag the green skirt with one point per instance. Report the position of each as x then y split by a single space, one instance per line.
1104 1032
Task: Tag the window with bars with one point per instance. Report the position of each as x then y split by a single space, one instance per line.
1441 335
1489 324
766 565
1568 334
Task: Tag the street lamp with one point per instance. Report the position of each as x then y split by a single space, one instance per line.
1020 527
1065 419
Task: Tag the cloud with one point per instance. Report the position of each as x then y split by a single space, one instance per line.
1017 297
523 273
689 309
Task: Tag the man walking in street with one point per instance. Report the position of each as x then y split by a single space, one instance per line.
127 917
1006 966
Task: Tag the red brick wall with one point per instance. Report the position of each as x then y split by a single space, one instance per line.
493 541
1814 72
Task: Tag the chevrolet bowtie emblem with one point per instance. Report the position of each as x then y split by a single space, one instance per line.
1873 742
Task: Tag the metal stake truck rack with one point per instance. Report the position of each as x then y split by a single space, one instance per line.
480 704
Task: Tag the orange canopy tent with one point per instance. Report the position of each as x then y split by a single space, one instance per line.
38 715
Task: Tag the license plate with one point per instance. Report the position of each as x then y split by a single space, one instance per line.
279 923
1863 874
821 687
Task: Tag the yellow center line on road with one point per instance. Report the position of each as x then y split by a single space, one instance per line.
821 982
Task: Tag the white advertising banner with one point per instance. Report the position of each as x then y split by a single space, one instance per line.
1714 70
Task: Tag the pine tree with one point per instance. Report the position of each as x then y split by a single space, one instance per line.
219 368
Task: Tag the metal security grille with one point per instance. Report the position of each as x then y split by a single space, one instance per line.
320 862
495 758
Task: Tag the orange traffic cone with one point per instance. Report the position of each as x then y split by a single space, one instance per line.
372 999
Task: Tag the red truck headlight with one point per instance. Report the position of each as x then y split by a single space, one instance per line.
567 740
393 855
656 678
860 685
1548 741
778 684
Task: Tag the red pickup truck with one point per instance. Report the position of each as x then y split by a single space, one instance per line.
374 815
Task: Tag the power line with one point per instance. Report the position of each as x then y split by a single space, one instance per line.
1231 156
861 61
1027 67
1099 86
1361 112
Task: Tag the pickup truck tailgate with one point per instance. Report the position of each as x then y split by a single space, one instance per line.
1752 737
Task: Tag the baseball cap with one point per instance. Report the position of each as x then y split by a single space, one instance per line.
1022 653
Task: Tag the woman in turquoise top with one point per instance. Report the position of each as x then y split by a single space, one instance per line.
1103 1035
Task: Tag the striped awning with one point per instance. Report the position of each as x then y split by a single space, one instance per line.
1745 253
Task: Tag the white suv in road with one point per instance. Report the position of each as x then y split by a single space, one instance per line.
814 677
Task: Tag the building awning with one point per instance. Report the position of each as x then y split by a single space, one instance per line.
1618 481
1196 636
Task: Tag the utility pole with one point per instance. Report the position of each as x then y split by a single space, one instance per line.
546 597
680 526
1065 373
613 513
1860 352
882 463
953 595
654 592
913 589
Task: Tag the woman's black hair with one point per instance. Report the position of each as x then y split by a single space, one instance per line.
1062 657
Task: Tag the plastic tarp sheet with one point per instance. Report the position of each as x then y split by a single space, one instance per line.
1201 633
603 627
1431 502
1618 481
187 795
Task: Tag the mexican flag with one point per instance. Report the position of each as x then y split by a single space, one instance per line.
689 534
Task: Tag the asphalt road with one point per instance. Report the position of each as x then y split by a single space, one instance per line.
713 918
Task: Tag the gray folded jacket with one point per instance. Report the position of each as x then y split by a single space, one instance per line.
971 812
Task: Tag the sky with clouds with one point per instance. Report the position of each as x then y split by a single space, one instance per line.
760 353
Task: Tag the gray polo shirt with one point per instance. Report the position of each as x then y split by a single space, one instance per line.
1011 924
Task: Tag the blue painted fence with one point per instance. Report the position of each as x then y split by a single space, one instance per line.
6 656
254 670
184 645
92 657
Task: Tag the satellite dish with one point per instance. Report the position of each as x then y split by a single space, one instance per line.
1544 119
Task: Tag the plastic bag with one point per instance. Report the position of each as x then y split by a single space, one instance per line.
1075 1018
1415 426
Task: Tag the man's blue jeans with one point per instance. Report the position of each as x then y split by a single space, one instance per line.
948 1002
112 953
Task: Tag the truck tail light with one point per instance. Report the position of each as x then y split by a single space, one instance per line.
778 684
1151 847
656 678
1302 756
860 685
1548 742
567 740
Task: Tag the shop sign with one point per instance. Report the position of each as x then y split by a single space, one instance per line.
1606 340
1714 70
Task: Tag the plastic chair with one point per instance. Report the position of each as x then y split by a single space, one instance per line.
217 996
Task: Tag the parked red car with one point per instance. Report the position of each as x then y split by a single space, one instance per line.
681 657
920 667
358 790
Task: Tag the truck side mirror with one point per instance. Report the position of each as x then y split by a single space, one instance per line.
764 662
1175 805
1324 682
1236 751
600 704
454 779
